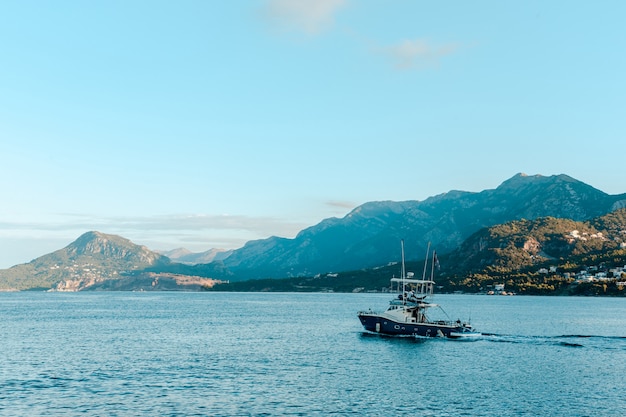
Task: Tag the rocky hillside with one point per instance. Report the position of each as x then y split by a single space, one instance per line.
96 261
526 245
369 235
544 255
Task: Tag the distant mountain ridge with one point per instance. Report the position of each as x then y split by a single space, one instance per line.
545 256
367 237
185 256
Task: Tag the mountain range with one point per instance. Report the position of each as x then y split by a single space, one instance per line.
369 235
365 238
545 256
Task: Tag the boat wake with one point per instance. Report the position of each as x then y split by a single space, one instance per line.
575 341
567 340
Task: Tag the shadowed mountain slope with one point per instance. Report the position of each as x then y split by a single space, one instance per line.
369 235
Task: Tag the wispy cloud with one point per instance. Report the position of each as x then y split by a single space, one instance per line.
308 16
341 204
417 53
200 230
313 17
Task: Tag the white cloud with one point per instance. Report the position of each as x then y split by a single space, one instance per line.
315 16
308 16
417 53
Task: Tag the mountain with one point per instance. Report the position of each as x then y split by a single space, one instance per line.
97 261
369 235
185 256
526 245
176 253
541 256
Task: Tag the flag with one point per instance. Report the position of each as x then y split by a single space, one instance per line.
435 260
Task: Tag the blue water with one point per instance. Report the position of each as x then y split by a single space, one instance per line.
229 354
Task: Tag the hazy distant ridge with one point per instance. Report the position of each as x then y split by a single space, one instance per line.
185 256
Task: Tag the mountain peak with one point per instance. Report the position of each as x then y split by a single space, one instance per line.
99 244
376 208
521 179
91 260
185 256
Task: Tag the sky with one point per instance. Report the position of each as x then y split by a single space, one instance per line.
207 124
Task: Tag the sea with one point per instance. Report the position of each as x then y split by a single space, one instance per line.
295 354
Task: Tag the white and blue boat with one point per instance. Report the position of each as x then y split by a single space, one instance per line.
407 314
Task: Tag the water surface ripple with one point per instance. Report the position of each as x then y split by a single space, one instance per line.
225 354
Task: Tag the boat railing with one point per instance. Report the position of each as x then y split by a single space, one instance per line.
413 281
412 289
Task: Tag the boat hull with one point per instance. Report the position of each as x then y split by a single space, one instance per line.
384 325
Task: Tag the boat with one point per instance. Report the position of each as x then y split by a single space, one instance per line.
408 311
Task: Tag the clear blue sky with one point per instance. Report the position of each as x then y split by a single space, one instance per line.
205 124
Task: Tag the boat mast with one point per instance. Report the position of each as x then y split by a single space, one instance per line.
426 262
432 268
403 272
432 273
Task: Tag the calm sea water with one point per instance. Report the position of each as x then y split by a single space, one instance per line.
229 354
